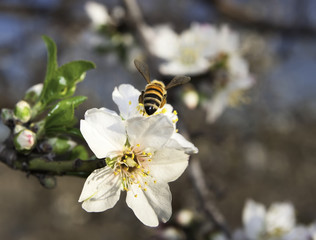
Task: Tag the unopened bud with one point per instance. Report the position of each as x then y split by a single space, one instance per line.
6 115
33 93
47 181
22 111
25 140
172 233
185 218
191 98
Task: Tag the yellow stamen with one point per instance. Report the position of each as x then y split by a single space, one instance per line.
175 112
137 145
164 110
129 103
155 181
145 189
135 195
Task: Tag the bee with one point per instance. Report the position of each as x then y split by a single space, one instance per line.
155 94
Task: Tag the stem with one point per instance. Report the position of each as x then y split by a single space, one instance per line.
206 198
77 167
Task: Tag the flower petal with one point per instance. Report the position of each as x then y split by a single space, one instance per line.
168 164
150 205
126 98
253 218
104 131
216 105
101 190
177 141
152 132
175 67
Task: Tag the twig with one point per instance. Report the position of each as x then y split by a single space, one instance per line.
35 165
206 198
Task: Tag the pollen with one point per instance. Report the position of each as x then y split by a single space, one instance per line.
175 112
155 181
164 110
146 183
130 103
135 195
138 145
175 120
149 160
177 130
145 189
126 189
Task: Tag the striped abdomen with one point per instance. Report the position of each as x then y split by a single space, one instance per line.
154 96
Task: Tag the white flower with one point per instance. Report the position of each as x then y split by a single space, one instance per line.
186 53
126 98
280 218
260 223
229 90
253 217
139 161
98 13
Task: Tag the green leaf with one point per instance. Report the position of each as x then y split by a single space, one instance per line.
79 152
61 116
51 61
64 80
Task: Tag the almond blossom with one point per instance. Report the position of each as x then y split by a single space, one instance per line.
229 87
142 154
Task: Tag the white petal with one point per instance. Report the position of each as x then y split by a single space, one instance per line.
101 190
126 98
150 205
175 67
280 217
177 141
162 41
168 164
103 131
152 132
253 219
215 106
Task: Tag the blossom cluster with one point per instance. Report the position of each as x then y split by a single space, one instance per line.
200 49
143 153
278 222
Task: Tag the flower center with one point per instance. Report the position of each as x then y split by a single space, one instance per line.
131 165
188 55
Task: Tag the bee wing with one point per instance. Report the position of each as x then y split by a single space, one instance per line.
178 80
143 69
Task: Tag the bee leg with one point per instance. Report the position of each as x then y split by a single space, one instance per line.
164 100
141 98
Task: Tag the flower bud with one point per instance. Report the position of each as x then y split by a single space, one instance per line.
6 115
185 217
33 93
58 145
190 98
25 140
22 111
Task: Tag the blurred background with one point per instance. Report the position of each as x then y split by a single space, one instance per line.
264 150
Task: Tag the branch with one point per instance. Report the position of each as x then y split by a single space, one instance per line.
35 165
206 198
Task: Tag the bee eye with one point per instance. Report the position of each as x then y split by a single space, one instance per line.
150 110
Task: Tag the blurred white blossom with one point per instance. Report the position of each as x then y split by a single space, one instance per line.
275 222
229 87
187 53
98 13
